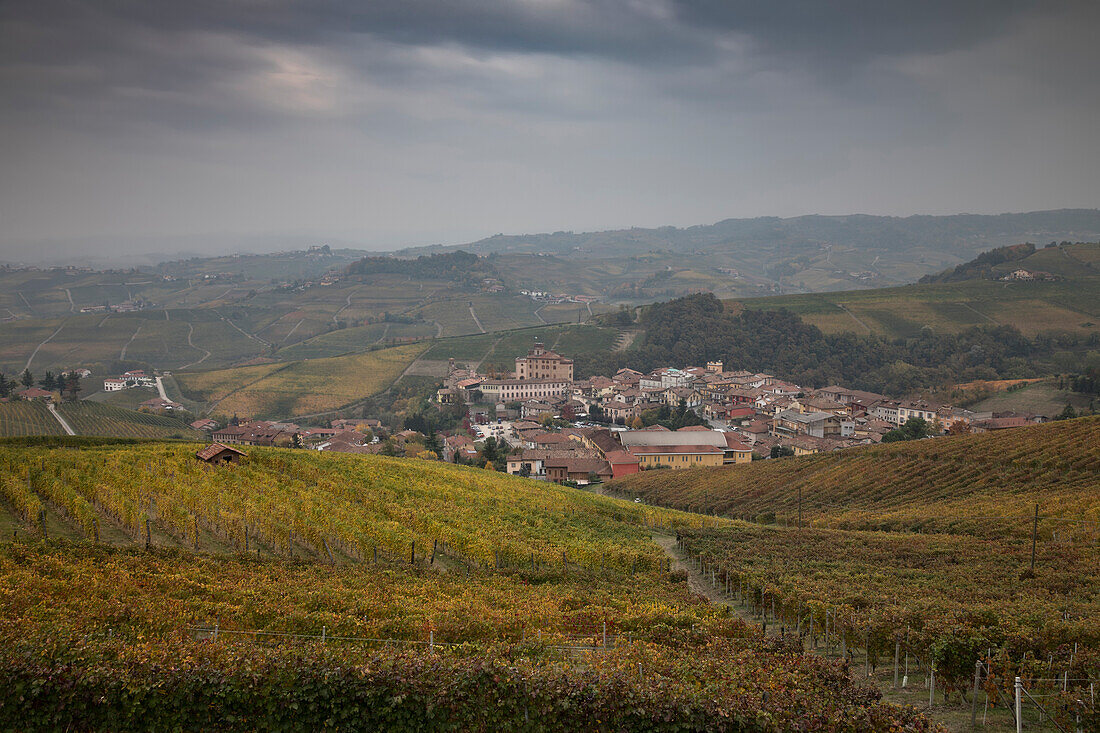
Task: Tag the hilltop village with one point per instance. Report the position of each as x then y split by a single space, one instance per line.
541 422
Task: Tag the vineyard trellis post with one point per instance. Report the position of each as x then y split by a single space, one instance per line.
1019 706
1034 536
974 697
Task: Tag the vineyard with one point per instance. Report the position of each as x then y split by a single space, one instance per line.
93 419
297 388
295 503
944 601
344 578
984 485
27 418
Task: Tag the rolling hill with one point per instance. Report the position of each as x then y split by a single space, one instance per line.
492 601
1069 304
985 484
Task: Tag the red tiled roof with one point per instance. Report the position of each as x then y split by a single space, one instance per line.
214 449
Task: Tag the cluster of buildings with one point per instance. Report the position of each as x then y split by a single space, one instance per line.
541 296
128 380
745 413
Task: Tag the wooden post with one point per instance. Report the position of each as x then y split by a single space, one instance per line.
376 554
246 538
1034 536
412 553
974 700
148 535
799 508
331 559
95 531
931 681
897 655
42 522
604 634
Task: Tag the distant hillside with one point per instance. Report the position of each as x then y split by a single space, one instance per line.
974 484
1066 260
742 256
947 304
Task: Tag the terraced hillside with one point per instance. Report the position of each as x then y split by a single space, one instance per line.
492 601
977 484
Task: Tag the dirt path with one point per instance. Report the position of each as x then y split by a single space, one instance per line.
696 583
160 389
72 305
474 316
853 317
64 425
36 348
252 336
955 716
538 315
206 354
122 354
983 315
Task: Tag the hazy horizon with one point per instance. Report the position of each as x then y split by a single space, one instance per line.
134 127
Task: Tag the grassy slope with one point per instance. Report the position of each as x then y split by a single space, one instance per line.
902 312
1041 398
977 484
298 388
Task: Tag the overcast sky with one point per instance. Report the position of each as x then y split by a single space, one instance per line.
393 122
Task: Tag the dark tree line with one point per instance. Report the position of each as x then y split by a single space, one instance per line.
697 329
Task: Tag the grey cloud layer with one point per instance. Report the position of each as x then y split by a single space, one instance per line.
336 116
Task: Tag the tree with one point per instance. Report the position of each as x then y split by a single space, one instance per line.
70 384
433 444
1067 414
781 451
914 428
296 441
568 413
48 382
636 423
546 420
27 378
525 470
388 447
5 389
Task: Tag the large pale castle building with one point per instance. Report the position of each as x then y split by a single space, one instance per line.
542 364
